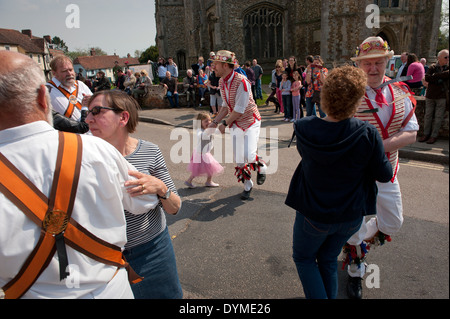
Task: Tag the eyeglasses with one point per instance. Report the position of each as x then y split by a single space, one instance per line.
96 110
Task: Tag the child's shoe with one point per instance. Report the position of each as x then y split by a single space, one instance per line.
211 184
190 185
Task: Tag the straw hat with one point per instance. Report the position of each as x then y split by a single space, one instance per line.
224 56
373 47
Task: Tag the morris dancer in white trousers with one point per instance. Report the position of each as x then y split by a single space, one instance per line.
244 120
390 108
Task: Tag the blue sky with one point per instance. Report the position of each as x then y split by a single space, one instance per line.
115 26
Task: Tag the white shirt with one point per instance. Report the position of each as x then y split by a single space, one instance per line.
385 112
60 102
242 96
400 70
99 207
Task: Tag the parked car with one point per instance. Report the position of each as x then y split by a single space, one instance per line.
393 65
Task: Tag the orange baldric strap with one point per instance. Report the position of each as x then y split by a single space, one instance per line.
70 107
53 216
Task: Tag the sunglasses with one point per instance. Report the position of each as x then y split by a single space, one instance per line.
96 110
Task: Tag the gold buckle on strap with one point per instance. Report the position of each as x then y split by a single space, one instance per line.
55 222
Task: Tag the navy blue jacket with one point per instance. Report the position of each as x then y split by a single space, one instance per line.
335 180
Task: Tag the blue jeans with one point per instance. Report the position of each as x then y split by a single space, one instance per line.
171 97
311 108
316 247
258 89
155 261
287 103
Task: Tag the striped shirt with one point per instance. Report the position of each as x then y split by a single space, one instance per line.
148 159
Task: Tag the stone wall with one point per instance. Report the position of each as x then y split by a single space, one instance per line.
332 29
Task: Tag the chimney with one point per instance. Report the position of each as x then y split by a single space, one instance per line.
92 52
27 32
47 38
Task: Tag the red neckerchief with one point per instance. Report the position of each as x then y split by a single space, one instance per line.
379 98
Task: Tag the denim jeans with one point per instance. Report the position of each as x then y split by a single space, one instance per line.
316 247
171 97
258 89
287 103
311 108
155 261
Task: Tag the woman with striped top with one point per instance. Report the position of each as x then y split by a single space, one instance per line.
113 115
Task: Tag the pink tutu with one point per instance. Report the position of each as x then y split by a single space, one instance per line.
204 164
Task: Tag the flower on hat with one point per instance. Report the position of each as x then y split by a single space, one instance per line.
373 47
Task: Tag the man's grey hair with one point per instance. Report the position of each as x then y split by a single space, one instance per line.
19 88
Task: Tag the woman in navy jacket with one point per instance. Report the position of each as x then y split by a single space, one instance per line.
333 187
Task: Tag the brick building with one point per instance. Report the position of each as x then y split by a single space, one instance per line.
269 30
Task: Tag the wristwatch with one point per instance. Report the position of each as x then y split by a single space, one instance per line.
224 123
166 195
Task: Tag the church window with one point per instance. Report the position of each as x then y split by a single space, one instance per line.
387 3
263 33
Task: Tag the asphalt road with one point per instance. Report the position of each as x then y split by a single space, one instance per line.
229 248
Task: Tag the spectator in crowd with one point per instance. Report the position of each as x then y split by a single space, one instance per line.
316 74
200 65
417 71
257 69
120 80
215 98
285 88
291 68
130 82
161 68
170 84
202 81
403 69
189 85
102 82
144 83
250 76
172 68
436 98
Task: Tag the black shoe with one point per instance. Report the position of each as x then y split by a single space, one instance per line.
246 194
354 287
260 178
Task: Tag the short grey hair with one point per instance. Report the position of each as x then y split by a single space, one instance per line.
19 88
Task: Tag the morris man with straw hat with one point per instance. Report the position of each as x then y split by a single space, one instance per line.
243 120
389 106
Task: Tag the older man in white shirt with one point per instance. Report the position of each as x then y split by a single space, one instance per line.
29 144
66 92
389 106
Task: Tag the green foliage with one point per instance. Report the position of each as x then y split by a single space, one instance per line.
150 54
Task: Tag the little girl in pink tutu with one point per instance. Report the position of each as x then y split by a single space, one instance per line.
202 161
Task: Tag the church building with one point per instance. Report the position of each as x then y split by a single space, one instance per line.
269 30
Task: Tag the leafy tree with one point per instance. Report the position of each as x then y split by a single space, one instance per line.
81 52
60 43
150 54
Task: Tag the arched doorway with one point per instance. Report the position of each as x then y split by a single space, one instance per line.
388 35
